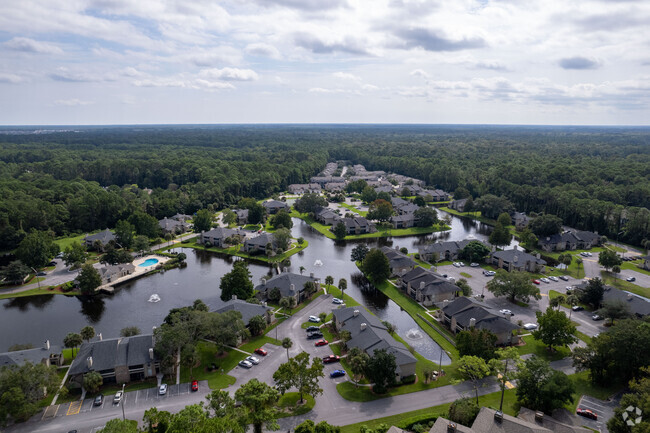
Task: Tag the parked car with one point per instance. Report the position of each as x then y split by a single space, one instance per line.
506 312
586 413
474 265
261 351
163 389
630 279
331 358
195 385
456 264
253 360
597 317
536 282
489 273
530 326
577 308
544 280
321 343
337 373
312 328
99 400
52 263
552 278
337 301
314 335
314 319
118 397
41 274
564 278
245 364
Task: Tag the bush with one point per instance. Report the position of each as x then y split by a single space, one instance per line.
408 380
417 256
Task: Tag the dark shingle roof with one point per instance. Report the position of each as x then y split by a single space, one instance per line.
20 357
274 204
247 310
636 304
261 240
485 423
284 282
104 237
517 256
397 259
111 353
465 309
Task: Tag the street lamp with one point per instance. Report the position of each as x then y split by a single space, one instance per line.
123 416
617 244
36 275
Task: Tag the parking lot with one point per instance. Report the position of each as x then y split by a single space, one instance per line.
604 410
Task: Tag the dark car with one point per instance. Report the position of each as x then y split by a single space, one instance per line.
331 358
313 328
630 279
314 335
99 400
195 385
586 413
597 317
261 352
577 308
337 373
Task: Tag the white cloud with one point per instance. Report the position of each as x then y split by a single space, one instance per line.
230 74
218 85
346 76
31 46
10 78
71 102
262 50
419 73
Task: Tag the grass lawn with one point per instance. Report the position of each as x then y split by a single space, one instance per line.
405 419
633 267
584 386
466 275
608 278
33 292
63 243
349 300
536 347
236 251
552 294
354 209
420 263
289 406
300 306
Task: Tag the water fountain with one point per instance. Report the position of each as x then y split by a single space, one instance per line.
154 298
318 263
414 334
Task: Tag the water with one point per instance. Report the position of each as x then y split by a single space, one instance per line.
34 319
148 262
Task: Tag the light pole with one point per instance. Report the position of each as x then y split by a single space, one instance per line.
122 404
36 275
617 244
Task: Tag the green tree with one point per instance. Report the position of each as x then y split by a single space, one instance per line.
202 221
37 249
72 341
579 263
505 367
281 220
500 235
343 285
359 252
357 359
257 324
22 386
228 217
298 373
504 219
380 370
376 266
555 328
282 237
461 192
258 402
546 225
329 280
114 256
124 233
464 287
75 255
608 259
87 333
514 285
288 302
492 206
463 411
130 331
256 212
593 293
425 217
474 369
566 260
557 301
308 426
156 421
92 381
615 309
309 203
339 231
287 344
528 239
237 282
141 244
15 272
474 251
476 342
145 224
380 210
120 426
539 387
637 397
88 279
368 195
275 294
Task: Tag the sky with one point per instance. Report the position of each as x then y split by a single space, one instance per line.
69 62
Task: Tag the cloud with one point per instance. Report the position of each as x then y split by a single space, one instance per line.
10 78
262 50
306 5
230 74
65 75
161 82
27 45
578 62
346 76
72 102
217 85
348 45
432 41
419 73
492 66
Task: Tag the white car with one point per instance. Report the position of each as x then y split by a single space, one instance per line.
314 319
553 279
530 326
564 278
118 397
163 389
253 360
506 312
474 265
544 280
489 273
245 364
456 264
337 301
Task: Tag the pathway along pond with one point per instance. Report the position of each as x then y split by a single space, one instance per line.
37 318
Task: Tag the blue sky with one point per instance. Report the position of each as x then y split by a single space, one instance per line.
325 61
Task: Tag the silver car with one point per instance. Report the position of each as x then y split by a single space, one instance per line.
245 364
253 360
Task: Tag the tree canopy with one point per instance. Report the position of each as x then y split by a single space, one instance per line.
237 282
514 285
376 266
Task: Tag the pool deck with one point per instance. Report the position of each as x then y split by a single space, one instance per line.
139 271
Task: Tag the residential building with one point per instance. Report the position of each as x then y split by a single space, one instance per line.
258 244
118 360
173 226
335 186
289 284
217 237
570 240
101 239
384 188
458 205
275 206
46 354
448 250
399 262
357 226
637 305
369 334
520 220
403 221
517 260
466 313
242 216
110 273
182 217
327 216
435 194
403 207
322 180
646 263
303 188
427 287
248 310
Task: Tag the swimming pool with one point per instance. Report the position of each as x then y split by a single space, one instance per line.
148 262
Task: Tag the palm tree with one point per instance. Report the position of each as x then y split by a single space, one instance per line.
329 280
579 263
287 343
343 284
168 238
555 302
302 269
572 300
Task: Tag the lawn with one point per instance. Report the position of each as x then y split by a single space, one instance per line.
633 266
608 278
236 251
466 275
405 419
354 209
536 347
32 292
552 294
584 386
288 403
63 243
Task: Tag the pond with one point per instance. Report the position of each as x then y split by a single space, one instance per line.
37 318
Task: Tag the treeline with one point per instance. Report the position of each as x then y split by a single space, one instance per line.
593 178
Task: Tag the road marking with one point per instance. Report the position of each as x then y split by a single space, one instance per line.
543 294
74 408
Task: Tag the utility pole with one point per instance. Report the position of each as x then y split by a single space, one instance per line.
123 416
503 385
37 279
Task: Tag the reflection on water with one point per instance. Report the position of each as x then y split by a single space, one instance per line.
92 307
24 303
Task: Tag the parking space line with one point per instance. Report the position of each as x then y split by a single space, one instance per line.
74 408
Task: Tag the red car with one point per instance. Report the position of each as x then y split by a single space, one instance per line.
195 385
536 282
261 351
321 343
331 358
587 413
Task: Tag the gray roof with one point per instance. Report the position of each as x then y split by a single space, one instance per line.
114 269
261 240
452 246
182 217
516 257
169 224
549 422
403 217
637 305
397 259
485 423
284 281
222 233
247 310
111 353
355 222
326 213
104 237
20 357
274 204
441 427
241 213
465 309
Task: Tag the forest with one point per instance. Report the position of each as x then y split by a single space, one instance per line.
88 178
